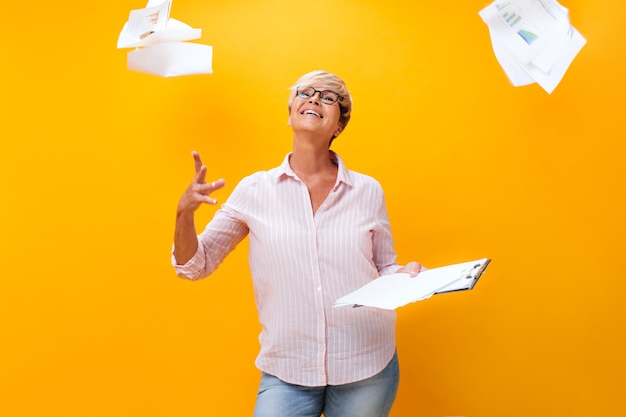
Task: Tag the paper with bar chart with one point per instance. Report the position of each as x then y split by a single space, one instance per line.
533 40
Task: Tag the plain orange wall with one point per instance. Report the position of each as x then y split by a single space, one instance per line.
93 158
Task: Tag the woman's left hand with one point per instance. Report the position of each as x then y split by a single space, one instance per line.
412 268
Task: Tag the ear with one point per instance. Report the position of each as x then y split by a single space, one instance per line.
289 121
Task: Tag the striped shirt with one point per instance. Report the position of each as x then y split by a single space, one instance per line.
301 262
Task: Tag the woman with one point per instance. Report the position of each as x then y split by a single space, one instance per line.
317 232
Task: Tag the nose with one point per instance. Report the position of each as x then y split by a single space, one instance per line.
313 98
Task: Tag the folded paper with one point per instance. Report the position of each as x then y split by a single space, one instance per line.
160 43
533 40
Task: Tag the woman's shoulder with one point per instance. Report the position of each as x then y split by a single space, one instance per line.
355 178
363 180
257 178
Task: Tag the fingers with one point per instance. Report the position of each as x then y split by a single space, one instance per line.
200 177
197 194
206 189
199 191
197 161
413 268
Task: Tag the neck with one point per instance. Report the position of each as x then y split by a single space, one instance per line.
309 158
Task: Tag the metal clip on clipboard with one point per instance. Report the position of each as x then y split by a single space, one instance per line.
471 278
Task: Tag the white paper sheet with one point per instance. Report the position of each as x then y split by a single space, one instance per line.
396 290
159 42
144 22
182 58
533 40
176 31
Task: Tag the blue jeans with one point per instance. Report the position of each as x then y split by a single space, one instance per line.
371 397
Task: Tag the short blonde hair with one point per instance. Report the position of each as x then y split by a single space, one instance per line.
329 81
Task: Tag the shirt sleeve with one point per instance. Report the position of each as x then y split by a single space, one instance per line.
220 236
382 240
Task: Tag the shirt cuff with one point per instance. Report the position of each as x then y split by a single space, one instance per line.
192 268
388 270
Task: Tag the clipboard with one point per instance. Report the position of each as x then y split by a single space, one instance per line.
475 272
396 290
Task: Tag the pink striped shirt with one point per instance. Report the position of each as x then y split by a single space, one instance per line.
301 263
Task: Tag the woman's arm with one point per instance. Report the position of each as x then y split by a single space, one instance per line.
185 238
383 244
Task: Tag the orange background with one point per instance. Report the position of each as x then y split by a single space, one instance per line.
93 158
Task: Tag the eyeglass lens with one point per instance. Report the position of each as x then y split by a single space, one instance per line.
326 96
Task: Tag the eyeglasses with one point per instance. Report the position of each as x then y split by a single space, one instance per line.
326 96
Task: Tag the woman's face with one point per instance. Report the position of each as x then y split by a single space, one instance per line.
313 112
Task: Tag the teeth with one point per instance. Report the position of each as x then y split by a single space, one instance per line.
311 112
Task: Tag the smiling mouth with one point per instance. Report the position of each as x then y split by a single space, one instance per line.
314 113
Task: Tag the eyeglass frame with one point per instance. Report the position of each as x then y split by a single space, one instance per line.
322 99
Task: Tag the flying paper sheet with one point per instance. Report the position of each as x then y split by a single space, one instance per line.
533 40
182 59
159 42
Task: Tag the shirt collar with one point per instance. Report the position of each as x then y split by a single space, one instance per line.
342 173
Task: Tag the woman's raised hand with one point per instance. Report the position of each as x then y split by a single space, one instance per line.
199 191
